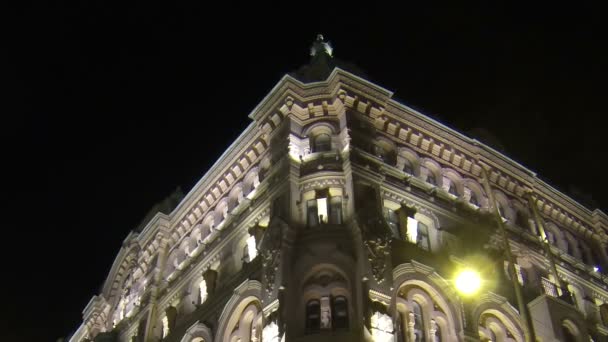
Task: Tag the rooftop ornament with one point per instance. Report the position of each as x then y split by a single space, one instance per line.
320 45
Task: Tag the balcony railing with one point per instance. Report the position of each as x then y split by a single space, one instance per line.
551 289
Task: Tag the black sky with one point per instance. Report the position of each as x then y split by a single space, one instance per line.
117 105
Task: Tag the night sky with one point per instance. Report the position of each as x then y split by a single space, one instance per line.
118 105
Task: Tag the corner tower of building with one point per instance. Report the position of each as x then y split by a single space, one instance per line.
340 214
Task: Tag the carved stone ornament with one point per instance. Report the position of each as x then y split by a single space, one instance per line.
271 256
377 250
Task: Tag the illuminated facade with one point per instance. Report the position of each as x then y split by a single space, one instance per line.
340 214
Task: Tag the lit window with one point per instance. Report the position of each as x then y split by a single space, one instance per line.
202 291
165 322
251 248
418 233
271 332
322 210
412 229
382 327
325 313
521 274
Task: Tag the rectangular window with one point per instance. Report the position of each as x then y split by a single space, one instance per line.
322 209
335 210
520 274
165 330
312 214
325 313
392 218
412 229
422 238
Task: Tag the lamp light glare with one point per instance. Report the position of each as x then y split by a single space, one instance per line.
468 282
595 268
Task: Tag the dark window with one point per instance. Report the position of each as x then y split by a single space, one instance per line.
340 313
568 335
418 322
452 189
501 211
408 167
521 220
422 237
380 152
474 200
322 143
335 210
604 313
392 218
492 336
313 316
595 258
550 237
430 178
312 213
438 336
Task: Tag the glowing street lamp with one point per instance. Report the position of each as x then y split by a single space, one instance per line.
468 282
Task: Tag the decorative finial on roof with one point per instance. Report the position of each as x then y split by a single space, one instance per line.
321 46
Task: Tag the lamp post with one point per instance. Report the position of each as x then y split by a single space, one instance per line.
523 309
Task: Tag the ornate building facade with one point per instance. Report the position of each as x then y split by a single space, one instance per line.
340 214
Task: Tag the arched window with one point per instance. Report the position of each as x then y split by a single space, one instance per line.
491 336
340 313
418 321
452 188
550 236
313 316
438 337
244 323
321 143
408 167
568 334
380 152
202 291
431 178
501 211
474 200
521 220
